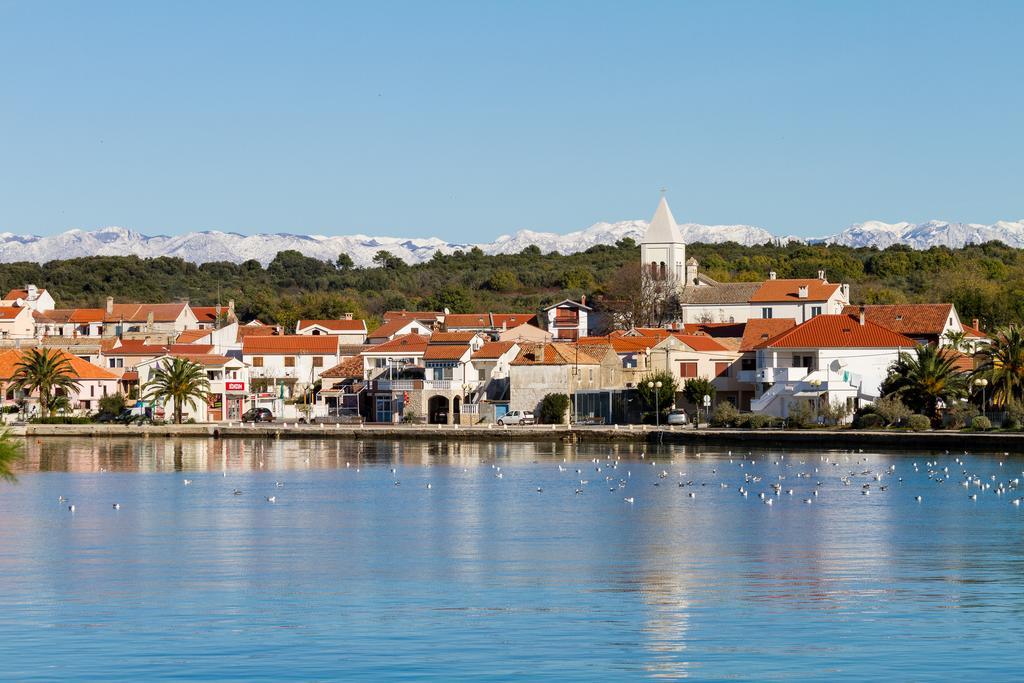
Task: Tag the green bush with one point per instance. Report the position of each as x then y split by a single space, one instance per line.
960 414
919 423
869 421
801 416
981 423
1014 415
725 415
892 410
553 408
112 404
61 420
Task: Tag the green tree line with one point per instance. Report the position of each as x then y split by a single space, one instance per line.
984 281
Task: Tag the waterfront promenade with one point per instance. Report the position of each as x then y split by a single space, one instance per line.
807 438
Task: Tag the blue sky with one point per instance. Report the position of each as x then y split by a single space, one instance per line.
468 120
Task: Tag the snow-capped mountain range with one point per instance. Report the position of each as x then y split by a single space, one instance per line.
201 247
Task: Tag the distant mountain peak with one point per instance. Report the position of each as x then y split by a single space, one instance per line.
216 245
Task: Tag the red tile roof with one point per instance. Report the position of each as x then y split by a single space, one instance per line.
488 321
414 315
452 337
909 319
189 349
245 331
334 325
716 330
207 314
553 354
838 332
347 369
392 326
210 360
700 342
10 312
445 351
87 315
493 350
191 336
139 313
759 330
81 369
407 343
131 347
788 290
290 344
973 331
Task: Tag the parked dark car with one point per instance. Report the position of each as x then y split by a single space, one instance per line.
257 415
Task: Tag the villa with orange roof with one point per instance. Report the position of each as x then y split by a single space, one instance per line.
94 382
839 359
228 385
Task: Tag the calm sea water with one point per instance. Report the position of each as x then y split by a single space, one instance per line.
444 569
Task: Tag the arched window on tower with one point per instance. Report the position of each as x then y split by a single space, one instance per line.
662 273
654 270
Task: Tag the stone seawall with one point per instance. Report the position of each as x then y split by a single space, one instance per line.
823 439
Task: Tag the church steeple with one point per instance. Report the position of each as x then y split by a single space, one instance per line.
663 251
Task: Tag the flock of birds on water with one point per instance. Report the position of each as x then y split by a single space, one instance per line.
749 477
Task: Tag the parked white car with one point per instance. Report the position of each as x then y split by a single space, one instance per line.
677 417
517 417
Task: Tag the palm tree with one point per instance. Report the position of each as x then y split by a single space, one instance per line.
956 340
10 451
180 381
45 371
1002 364
924 378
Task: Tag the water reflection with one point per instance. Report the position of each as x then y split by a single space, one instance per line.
443 567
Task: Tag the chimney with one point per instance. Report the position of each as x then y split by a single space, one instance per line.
110 305
346 316
821 275
231 309
771 275
861 315
974 323
802 292
31 292
149 319
583 300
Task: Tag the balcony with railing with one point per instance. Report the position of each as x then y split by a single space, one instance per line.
773 375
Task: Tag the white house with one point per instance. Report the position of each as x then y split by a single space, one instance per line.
291 361
30 297
228 390
398 327
93 382
568 320
737 302
831 358
17 323
350 331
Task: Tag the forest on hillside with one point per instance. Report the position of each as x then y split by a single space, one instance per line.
985 281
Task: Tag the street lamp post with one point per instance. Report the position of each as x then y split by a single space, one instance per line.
656 386
982 382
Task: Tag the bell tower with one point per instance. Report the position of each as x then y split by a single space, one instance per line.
662 251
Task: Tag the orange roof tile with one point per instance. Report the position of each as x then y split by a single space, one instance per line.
207 314
716 330
445 351
189 349
973 331
346 369
407 343
452 337
139 313
132 347
414 315
622 344
334 325
290 344
788 290
81 369
493 350
210 360
553 354
759 330
10 312
909 319
838 331
191 336
87 315
392 326
700 342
